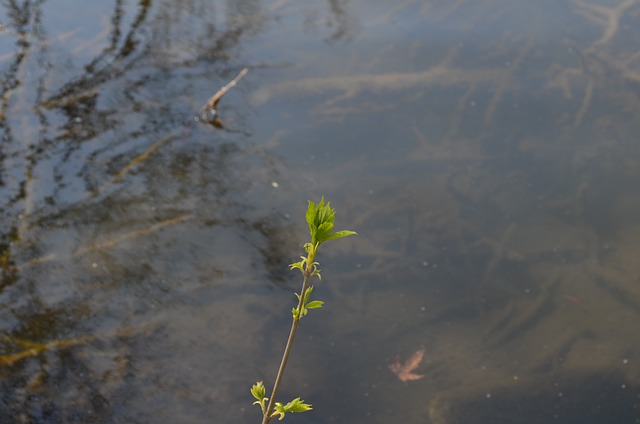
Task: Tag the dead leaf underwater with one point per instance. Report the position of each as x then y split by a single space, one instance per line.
404 371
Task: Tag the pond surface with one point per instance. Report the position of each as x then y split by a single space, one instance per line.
486 152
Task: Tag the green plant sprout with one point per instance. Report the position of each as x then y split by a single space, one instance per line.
320 219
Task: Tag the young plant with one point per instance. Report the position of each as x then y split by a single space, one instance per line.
320 219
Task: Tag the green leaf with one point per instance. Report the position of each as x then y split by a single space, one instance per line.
323 232
295 405
298 265
311 217
340 234
307 294
306 304
316 272
277 410
258 390
314 304
320 217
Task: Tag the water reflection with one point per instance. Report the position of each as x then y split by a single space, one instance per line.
490 167
118 212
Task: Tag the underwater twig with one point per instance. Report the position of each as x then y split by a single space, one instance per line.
35 349
137 161
112 242
610 16
32 348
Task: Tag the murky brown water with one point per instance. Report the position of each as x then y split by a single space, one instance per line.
486 152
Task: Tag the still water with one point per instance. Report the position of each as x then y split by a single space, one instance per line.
486 152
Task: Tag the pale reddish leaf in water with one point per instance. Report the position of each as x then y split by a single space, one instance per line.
404 370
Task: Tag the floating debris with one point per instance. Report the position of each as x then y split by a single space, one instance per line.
209 112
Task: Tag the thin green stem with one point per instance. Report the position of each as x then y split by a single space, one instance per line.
294 326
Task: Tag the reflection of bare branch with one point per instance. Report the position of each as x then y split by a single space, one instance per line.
343 24
10 81
94 42
108 65
278 4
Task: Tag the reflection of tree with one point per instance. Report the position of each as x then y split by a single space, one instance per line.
108 190
340 20
116 94
114 60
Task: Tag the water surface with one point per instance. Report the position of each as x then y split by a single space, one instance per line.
486 152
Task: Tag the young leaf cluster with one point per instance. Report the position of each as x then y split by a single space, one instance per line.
297 405
305 266
320 217
306 304
258 391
